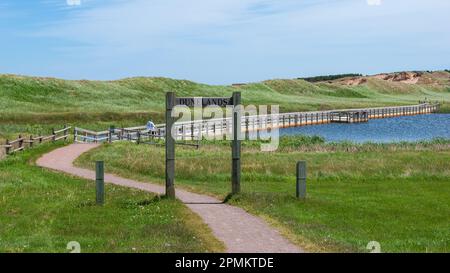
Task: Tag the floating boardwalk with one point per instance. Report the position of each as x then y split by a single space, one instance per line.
349 116
195 130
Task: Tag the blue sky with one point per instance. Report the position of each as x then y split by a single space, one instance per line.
221 41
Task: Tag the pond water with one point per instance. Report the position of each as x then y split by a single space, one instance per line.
409 128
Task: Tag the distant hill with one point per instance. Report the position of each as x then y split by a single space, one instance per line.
329 77
425 78
440 78
35 99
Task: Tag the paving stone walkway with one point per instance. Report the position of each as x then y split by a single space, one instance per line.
240 231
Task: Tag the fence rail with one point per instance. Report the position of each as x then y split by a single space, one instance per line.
21 143
196 130
136 134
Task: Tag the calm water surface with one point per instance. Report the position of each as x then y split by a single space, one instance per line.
409 128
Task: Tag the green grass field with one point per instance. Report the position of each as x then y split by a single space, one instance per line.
42 211
396 194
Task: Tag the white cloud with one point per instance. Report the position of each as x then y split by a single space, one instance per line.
374 2
73 2
189 39
142 25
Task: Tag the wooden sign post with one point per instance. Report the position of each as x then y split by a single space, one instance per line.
170 146
171 102
236 146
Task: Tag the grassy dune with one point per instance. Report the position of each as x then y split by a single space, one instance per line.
396 194
41 211
30 104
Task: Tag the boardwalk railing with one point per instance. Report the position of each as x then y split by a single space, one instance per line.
198 129
136 134
21 143
195 130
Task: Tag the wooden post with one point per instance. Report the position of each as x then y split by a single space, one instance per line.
138 134
31 141
247 131
66 131
7 148
182 132
236 145
20 141
54 135
223 127
301 180
110 133
170 146
99 183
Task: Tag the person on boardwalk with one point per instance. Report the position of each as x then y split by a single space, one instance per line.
151 127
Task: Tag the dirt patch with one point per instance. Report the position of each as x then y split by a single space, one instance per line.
409 77
403 77
353 81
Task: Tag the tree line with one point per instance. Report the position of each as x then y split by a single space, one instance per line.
329 77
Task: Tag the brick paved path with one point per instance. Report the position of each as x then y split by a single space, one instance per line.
240 231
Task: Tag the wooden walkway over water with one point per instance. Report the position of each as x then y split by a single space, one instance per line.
210 128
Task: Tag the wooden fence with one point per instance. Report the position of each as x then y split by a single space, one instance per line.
21 143
136 134
195 130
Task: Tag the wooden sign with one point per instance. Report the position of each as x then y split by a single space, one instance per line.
172 101
203 102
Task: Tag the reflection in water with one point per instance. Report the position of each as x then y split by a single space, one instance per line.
409 128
